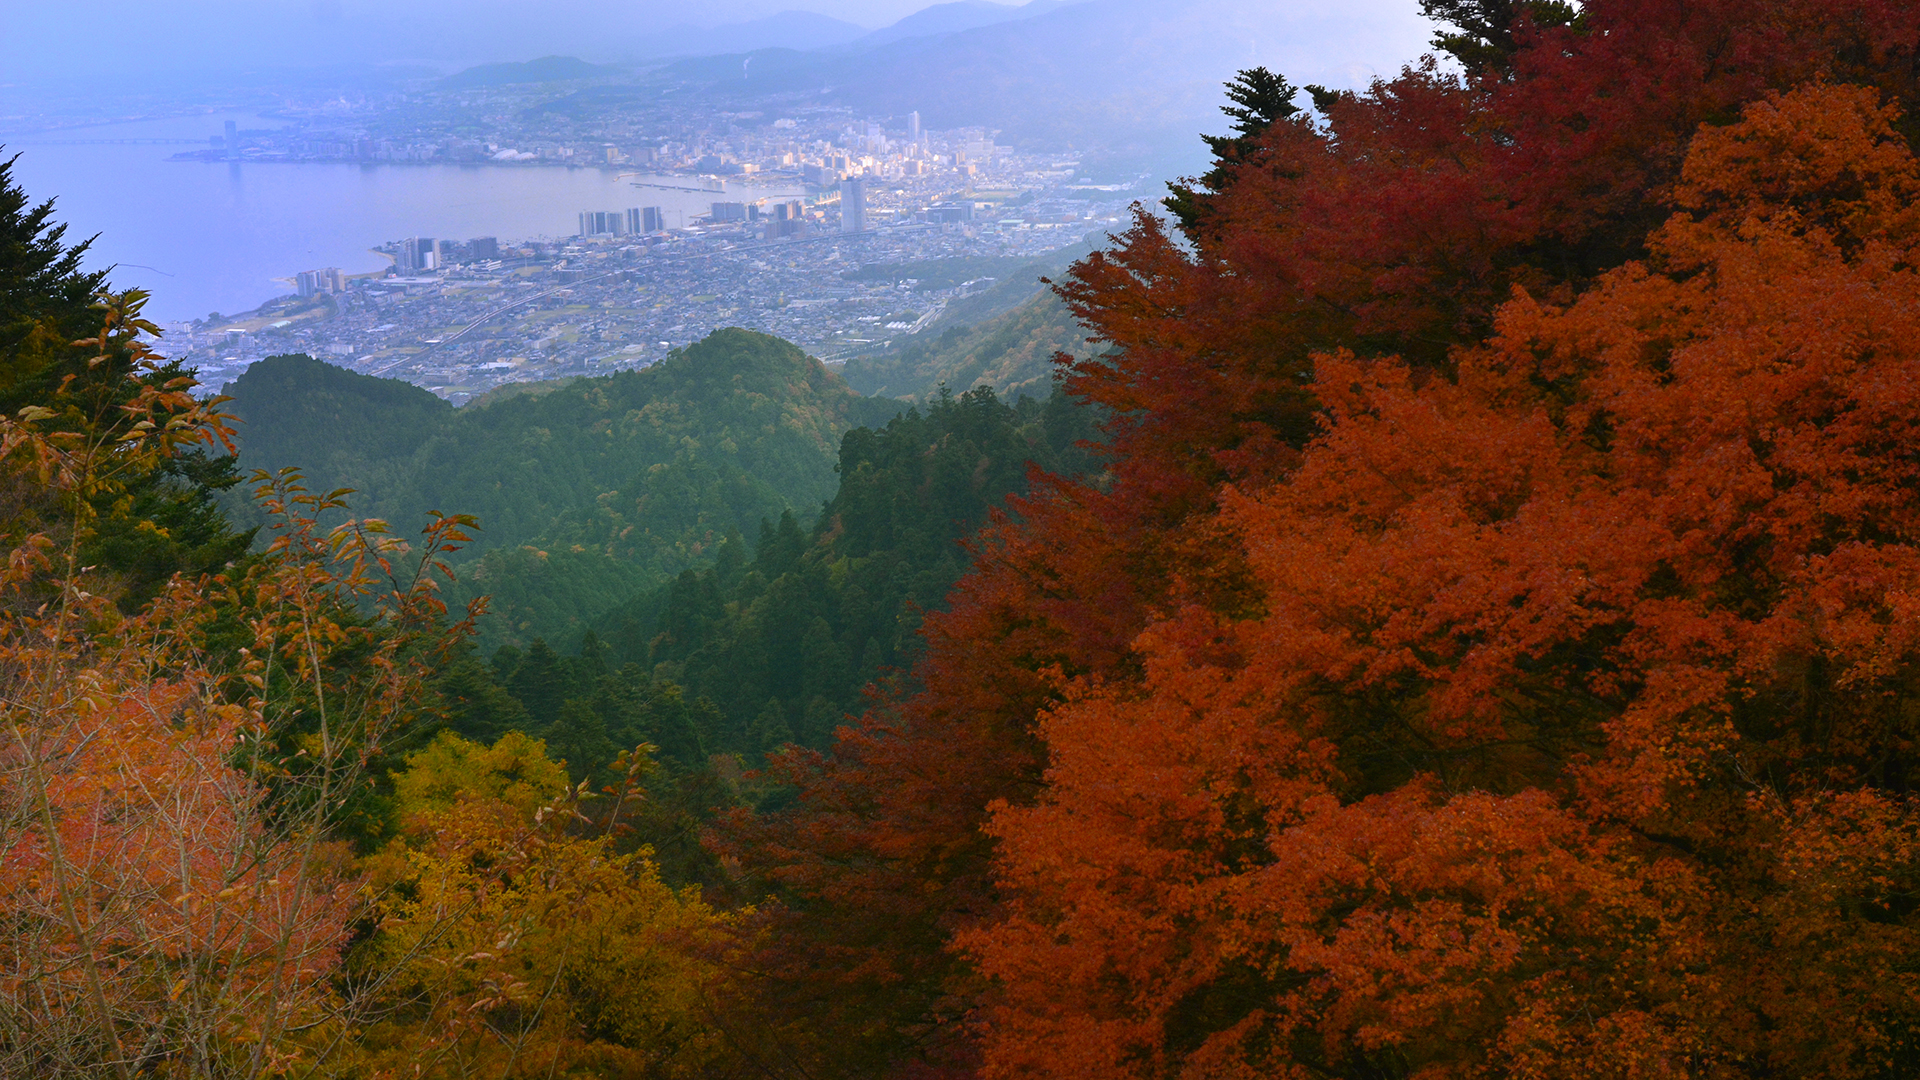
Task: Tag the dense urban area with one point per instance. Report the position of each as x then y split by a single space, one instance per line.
802 212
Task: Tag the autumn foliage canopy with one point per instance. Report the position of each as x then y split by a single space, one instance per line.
1571 733
1492 648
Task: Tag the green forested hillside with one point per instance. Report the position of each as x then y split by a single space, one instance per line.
1010 351
778 638
1003 335
783 642
586 493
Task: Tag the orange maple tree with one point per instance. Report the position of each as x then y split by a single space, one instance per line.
1573 733
175 784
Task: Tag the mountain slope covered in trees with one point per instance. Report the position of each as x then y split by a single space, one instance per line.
783 644
1012 352
584 492
1003 335
778 641
1487 648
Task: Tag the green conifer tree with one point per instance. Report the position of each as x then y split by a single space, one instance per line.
166 520
770 730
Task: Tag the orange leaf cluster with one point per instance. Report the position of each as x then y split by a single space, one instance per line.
158 871
1575 731
175 892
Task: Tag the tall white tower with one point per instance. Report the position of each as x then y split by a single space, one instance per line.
853 205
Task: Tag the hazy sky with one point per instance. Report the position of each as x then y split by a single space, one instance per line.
41 37
72 42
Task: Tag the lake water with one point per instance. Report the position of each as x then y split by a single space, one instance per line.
206 237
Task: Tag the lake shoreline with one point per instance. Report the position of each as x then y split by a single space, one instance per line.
216 238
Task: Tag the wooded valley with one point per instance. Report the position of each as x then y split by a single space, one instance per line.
1454 616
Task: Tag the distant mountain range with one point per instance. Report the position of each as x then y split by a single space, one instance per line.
801 31
1144 75
546 69
787 30
806 30
1133 80
954 17
228 40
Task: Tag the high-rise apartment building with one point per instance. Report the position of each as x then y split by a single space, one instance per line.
853 205
418 253
605 222
233 141
785 219
913 127
645 219
315 282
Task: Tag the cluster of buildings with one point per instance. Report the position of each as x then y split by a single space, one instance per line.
459 323
765 219
815 145
634 221
805 200
311 283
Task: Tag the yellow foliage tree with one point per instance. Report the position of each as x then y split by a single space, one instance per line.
511 943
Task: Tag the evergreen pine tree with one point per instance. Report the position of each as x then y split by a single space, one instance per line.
578 736
672 726
541 682
166 520
1260 99
770 730
476 706
45 298
780 546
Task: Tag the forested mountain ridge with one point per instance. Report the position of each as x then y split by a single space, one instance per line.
783 644
779 639
1012 352
585 493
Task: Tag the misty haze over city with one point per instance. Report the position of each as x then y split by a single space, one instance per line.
64 45
231 155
